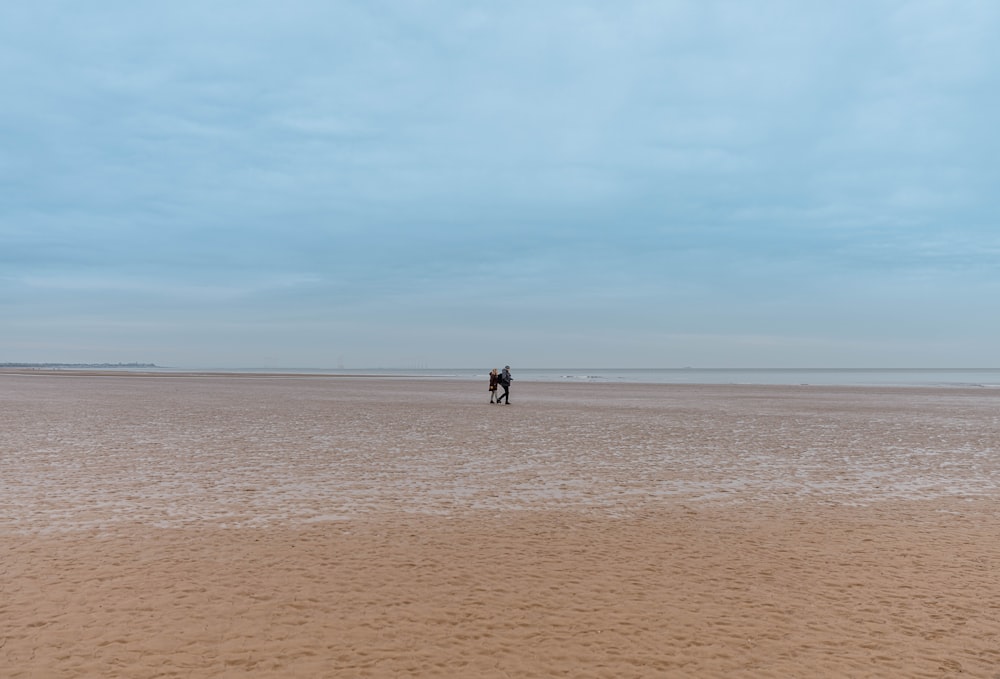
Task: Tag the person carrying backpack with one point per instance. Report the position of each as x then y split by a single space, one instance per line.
505 380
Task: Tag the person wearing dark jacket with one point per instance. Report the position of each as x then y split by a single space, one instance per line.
505 379
494 380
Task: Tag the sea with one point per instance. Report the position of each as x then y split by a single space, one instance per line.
927 377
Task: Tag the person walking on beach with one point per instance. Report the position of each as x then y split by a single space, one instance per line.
505 379
494 380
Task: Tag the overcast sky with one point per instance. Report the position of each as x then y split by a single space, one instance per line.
311 183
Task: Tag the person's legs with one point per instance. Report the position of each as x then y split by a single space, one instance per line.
505 394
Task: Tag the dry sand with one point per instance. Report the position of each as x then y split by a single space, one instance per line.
223 526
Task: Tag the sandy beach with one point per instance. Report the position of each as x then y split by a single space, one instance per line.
203 526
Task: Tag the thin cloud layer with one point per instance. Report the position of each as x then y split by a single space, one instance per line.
637 184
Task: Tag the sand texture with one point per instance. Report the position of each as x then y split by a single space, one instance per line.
260 526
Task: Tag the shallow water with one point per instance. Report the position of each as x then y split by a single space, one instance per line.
88 452
940 377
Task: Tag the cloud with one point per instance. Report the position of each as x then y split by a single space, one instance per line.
679 168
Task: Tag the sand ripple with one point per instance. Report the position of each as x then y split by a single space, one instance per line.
301 527
85 452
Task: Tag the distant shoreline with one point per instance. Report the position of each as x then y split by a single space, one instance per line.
988 378
79 366
156 371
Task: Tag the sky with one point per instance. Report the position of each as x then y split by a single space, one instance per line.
627 184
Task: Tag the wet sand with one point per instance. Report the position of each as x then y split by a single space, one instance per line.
233 526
